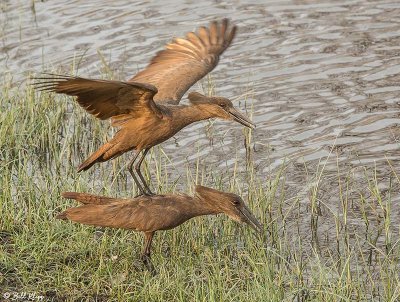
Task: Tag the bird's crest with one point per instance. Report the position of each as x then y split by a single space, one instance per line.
198 98
209 193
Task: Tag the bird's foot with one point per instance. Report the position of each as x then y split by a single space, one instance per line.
150 267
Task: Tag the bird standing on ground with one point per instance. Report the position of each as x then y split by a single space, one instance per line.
149 214
146 107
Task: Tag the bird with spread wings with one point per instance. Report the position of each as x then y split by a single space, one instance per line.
146 107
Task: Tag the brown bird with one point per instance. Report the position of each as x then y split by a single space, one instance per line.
146 108
149 214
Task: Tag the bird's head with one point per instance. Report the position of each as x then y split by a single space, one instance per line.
230 204
220 107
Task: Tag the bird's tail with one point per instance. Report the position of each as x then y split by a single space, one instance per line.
62 215
96 210
86 198
86 214
97 156
92 215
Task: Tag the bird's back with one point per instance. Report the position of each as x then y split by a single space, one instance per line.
143 213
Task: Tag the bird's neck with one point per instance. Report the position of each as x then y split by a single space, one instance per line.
199 207
188 114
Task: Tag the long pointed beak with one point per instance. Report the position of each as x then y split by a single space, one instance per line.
248 217
241 118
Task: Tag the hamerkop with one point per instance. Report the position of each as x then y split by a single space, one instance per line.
146 107
149 214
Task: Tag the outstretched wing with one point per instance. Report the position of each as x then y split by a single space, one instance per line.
103 98
186 60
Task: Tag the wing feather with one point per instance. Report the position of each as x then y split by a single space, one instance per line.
186 60
204 35
103 98
214 33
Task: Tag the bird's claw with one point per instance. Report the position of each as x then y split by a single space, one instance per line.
150 267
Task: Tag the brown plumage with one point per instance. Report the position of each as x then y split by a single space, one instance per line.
148 114
186 60
149 214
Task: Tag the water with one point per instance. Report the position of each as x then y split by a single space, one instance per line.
320 77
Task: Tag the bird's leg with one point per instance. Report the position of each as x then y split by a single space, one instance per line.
130 169
146 252
139 173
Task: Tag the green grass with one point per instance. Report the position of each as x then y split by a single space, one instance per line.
311 250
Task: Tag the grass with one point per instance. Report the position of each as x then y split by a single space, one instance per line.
317 246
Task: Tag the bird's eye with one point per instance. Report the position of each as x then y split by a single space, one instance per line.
236 202
222 105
